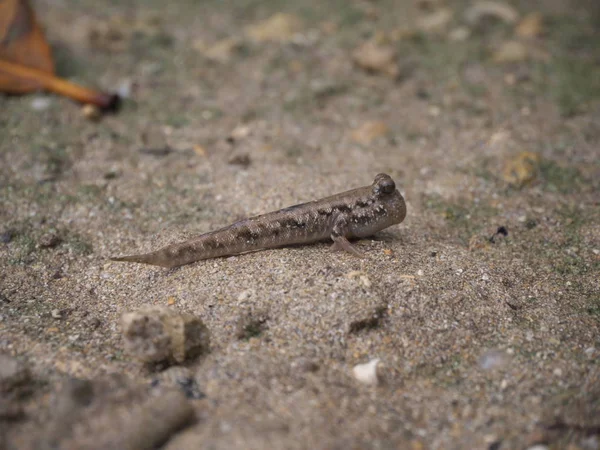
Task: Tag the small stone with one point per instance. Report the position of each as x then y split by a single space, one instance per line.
367 373
373 56
305 365
40 103
279 27
93 323
370 131
530 26
251 325
91 112
245 295
493 359
510 79
111 174
354 274
403 33
49 240
434 111
221 51
497 10
459 34
510 52
538 447
7 235
521 169
368 320
436 22
56 314
366 282
240 132
124 89
157 334
243 160
557 372
199 150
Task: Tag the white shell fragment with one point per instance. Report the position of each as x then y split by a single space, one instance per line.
367 373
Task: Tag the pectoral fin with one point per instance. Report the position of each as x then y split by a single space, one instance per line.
338 236
341 243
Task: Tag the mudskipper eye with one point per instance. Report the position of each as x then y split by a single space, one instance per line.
383 184
387 186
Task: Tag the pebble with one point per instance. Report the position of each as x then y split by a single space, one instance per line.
279 27
376 57
538 447
367 373
162 334
365 281
49 240
369 131
91 112
530 26
498 10
6 236
459 34
56 314
124 89
510 52
493 359
240 132
40 103
221 51
521 169
435 22
241 159
305 365
245 295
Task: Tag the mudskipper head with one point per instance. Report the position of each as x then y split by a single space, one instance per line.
384 190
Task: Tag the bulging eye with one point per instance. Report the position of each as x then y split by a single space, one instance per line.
384 184
388 186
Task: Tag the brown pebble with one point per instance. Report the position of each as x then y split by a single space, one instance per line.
91 112
373 56
161 334
49 240
242 160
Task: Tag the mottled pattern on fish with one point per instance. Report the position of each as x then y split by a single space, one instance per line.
356 213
